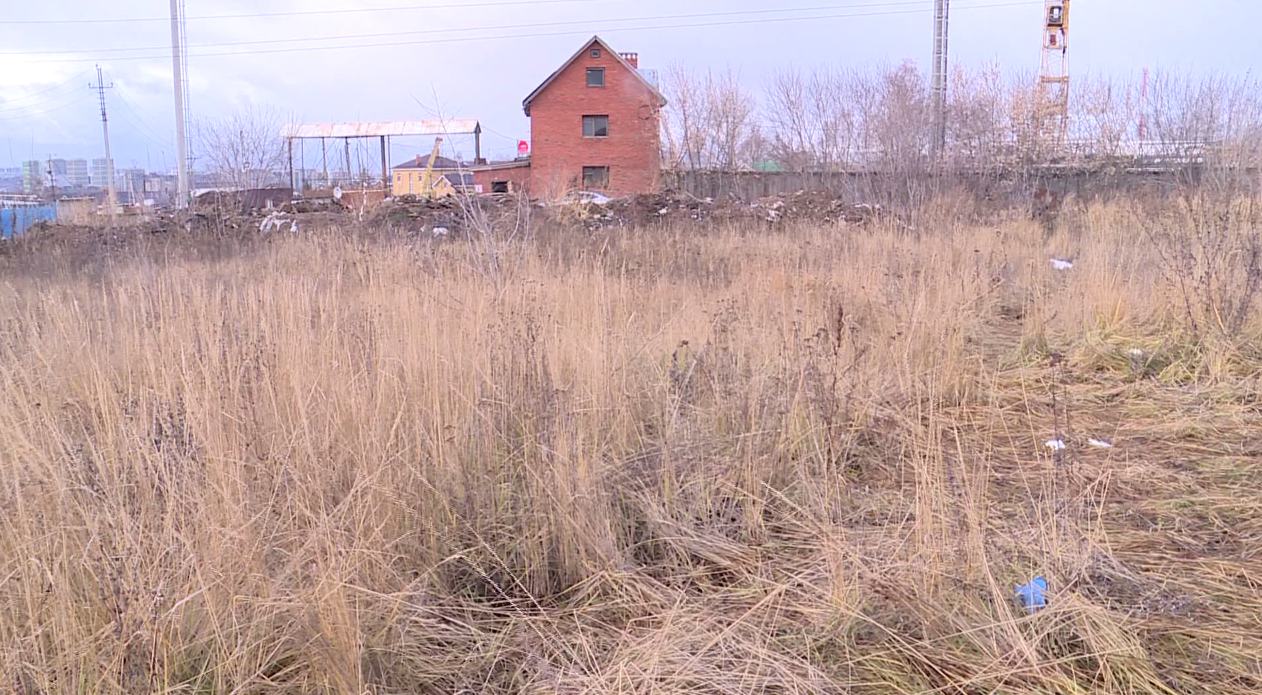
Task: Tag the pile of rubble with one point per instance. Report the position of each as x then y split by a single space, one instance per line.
674 206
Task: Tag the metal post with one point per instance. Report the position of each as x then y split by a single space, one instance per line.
324 157
941 13
291 163
181 151
477 144
347 142
385 168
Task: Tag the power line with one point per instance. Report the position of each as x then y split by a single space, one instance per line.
143 129
139 129
140 112
80 100
26 108
50 89
696 15
467 39
304 13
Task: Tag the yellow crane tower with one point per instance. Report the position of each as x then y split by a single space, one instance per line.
1054 74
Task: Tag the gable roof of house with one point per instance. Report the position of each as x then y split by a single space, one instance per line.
422 162
661 100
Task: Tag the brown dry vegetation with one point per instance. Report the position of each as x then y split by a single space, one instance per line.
799 461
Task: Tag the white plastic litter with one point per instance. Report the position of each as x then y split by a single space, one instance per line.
1135 352
1054 444
276 222
1061 264
441 231
1099 444
664 211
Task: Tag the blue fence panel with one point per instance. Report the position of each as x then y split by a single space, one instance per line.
14 221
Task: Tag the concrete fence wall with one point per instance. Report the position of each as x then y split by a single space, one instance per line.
997 187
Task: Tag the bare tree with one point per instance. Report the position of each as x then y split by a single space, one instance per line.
729 119
711 121
790 120
977 117
682 125
243 150
900 124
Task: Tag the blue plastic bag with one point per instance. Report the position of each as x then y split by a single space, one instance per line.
1033 595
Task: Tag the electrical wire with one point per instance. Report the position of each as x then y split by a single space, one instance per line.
139 125
137 110
693 25
534 25
305 13
85 97
50 89
37 105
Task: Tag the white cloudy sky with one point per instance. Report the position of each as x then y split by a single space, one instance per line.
46 108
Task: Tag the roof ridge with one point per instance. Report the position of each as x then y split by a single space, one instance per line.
617 56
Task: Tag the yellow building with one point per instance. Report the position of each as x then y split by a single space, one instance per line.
410 177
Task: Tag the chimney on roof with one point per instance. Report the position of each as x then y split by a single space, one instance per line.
632 58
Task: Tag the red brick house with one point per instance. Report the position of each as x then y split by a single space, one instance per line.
595 124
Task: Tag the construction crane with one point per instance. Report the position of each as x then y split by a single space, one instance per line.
427 179
1053 104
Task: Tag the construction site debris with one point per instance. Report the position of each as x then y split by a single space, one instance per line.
597 212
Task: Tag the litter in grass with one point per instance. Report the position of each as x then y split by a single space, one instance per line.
1061 265
1033 596
1054 444
1099 444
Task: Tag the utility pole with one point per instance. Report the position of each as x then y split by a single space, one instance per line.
941 12
52 177
100 87
181 145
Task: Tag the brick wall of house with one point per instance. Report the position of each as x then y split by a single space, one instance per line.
518 178
632 150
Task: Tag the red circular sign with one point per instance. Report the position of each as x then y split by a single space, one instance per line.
523 148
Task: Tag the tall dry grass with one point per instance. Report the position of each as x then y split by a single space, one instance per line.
656 461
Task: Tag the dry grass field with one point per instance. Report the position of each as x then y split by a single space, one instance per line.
809 460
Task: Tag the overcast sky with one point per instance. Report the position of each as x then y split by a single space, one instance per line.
47 109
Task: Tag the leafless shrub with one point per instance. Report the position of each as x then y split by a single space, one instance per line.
1106 113
1210 127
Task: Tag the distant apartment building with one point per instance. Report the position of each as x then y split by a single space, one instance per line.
77 173
32 175
101 168
131 185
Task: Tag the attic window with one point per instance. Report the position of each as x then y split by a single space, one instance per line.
595 77
595 52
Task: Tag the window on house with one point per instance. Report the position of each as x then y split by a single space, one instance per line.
595 126
499 186
595 77
595 177
595 52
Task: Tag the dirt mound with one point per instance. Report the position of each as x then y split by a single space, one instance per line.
675 206
439 217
